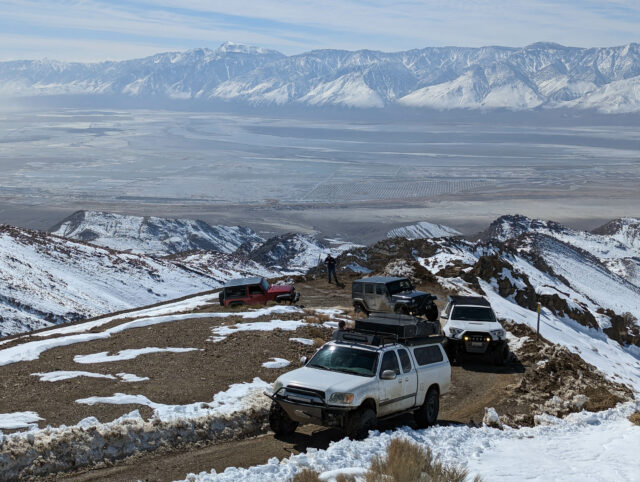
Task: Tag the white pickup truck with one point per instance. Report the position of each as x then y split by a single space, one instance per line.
354 381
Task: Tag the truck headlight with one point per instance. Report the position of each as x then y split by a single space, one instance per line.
455 332
345 398
498 333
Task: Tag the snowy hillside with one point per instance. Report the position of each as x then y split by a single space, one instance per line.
616 244
152 235
45 280
541 74
295 253
422 230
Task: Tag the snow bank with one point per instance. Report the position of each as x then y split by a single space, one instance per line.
603 445
238 412
104 357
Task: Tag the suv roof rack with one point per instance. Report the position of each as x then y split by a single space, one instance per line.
469 300
381 339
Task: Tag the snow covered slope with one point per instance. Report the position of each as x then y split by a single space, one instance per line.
422 230
152 235
295 253
45 279
616 244
541 74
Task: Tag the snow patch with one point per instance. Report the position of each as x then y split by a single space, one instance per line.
276 363
104 357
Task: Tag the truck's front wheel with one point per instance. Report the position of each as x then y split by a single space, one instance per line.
360 422
427 414
279 421
501 355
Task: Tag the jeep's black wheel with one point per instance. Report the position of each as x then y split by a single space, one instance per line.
360 422
401 310
279 421
427 414
431 312
501 355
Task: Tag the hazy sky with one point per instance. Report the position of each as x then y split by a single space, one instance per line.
91 30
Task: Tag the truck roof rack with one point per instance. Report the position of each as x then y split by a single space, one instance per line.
469 300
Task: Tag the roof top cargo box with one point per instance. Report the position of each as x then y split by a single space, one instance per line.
402 326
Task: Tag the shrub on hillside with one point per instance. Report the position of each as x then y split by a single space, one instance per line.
635 418
405 461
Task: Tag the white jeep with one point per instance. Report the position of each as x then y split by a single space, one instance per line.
358 379
471 327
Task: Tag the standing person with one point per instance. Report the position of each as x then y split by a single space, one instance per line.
330 261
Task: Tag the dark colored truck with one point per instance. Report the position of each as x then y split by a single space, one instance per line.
392 295
255 291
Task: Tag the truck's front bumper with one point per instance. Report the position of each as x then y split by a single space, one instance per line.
315 413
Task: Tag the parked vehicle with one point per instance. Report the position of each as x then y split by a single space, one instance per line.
471 327
255 291
392 295
360 378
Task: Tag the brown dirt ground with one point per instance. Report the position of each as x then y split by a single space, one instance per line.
182 378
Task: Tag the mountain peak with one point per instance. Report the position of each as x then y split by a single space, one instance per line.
232 47
546 46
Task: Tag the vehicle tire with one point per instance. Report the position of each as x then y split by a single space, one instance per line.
401 310
427 414
279 421
452 353
432 312
501 355
360 422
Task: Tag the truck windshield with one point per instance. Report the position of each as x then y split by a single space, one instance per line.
399 286
472 313
346 360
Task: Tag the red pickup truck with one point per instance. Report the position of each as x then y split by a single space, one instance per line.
255 291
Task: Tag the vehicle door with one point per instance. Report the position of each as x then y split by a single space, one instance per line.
257 296
409 377
433 367
235 295
384 298
370 300
390 390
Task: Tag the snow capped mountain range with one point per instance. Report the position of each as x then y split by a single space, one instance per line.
152 235
541 74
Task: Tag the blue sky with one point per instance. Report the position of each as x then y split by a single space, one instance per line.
92 30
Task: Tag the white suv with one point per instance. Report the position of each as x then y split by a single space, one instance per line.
358 379
471 326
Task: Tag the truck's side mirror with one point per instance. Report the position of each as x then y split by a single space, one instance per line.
388 375
304 360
